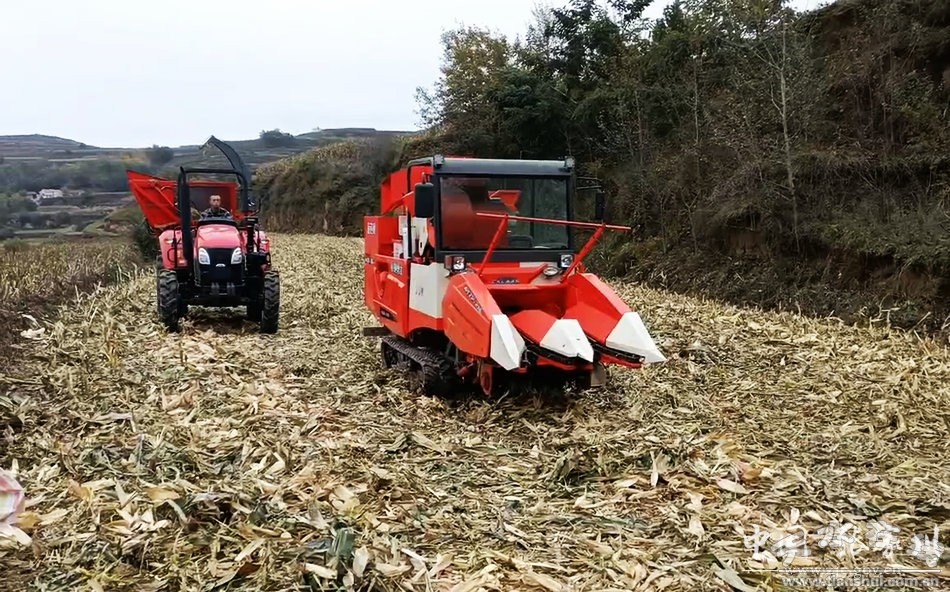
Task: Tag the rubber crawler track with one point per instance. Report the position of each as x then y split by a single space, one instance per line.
436 372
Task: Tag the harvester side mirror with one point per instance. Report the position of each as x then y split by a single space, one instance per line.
600 205
424 194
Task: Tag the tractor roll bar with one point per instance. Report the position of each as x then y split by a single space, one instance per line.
238 164
184 204
208 171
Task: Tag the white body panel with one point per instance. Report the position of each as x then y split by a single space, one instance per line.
631 336
507 345
567 338
420 234
404 234
427 285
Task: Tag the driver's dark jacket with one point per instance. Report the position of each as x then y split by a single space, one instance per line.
210 213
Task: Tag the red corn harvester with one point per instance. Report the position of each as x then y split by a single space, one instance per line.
471 270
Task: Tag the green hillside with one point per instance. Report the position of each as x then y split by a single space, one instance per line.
784 159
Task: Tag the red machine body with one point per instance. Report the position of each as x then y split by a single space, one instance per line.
471 270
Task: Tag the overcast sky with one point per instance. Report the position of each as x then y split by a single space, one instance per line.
126 73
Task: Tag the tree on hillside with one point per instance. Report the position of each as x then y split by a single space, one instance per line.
159 155
720 115
472 67
276 139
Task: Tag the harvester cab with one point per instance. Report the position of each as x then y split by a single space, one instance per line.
217 261
472 269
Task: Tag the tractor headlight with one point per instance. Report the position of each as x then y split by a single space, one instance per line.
551 271
455 262
236 256
203 257
566 260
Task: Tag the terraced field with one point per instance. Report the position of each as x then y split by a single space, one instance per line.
222 459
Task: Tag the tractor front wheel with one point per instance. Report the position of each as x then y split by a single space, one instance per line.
270 302
169 299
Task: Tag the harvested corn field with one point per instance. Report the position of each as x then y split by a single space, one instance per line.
33 277
221 458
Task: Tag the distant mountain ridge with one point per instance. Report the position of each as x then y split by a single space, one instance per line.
42 145
39 141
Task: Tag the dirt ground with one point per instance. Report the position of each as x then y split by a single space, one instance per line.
219 458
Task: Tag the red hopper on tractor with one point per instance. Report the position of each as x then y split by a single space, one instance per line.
220 260
472 270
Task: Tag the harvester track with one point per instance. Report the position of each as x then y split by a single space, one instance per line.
429 371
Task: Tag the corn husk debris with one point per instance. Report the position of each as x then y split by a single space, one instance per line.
220 458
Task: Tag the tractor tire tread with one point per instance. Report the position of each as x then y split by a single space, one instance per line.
270 303
169 299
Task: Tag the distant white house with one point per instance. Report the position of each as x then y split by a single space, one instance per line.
49 194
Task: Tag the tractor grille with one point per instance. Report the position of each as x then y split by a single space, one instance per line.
221 271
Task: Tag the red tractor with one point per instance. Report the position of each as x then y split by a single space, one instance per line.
472 270
214 261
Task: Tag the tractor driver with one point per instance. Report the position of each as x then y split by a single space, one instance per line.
215 211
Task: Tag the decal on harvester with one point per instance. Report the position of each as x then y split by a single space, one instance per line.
474 300
371 228
397 268
506 280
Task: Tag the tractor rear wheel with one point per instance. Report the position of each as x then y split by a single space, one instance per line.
170 304
270 302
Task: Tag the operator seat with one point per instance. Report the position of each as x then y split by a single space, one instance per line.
521 241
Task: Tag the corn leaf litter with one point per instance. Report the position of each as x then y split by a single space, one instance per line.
222 457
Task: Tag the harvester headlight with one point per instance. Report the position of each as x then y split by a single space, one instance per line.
566 260
203 257
455 262
236 256
551 271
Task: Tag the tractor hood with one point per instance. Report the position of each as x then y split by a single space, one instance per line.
156 197
218 236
